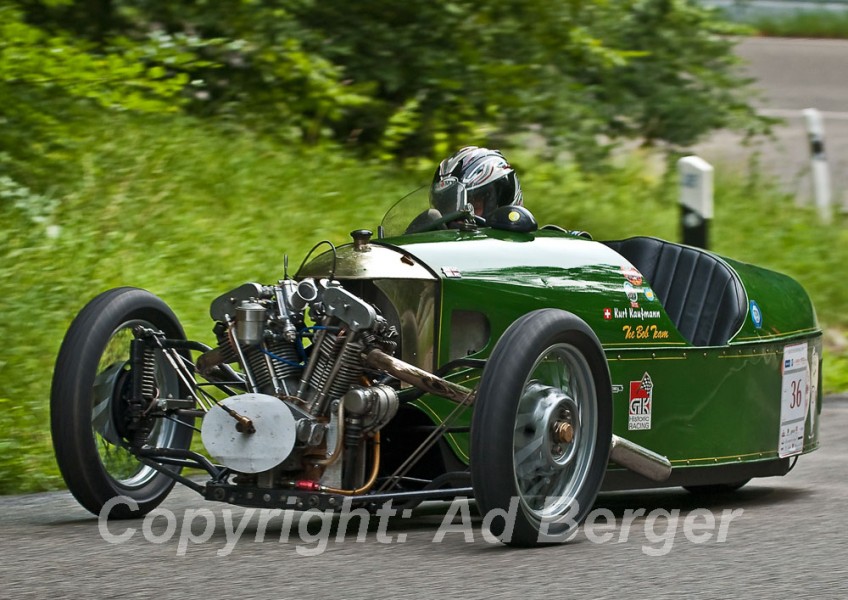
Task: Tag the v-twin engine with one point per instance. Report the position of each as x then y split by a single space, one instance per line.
296 350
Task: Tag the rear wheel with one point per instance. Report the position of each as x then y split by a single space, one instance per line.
541 428
89 403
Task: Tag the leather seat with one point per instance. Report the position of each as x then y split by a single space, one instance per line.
702 295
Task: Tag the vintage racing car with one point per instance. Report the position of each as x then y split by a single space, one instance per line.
525 367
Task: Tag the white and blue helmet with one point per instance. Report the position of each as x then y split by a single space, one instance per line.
477 176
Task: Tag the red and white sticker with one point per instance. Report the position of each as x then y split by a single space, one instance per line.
641 401
632 274
794 399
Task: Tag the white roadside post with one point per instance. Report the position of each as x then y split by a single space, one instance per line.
696 200
818 163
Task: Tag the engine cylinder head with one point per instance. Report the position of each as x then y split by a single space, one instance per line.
337 367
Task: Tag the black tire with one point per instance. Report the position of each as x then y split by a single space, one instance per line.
91 370
547 370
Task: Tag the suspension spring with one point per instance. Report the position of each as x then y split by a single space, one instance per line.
144 372
144 389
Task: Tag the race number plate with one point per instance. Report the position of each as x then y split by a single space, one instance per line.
794 398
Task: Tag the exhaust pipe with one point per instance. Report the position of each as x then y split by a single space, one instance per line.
639 459
419 378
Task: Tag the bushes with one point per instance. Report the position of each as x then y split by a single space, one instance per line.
583 74
411 78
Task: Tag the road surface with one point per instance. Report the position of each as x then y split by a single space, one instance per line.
791 75
777 537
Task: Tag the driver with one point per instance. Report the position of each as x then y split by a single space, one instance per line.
476 182
476 176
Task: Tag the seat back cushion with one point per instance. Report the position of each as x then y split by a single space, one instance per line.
702 295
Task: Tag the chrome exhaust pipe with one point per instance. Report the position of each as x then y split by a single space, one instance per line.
419 378
639 459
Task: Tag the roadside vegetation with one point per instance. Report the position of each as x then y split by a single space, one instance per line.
807 24
187 147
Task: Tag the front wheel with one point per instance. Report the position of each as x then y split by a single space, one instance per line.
541 430
92 382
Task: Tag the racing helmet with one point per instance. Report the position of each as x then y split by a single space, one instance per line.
477 176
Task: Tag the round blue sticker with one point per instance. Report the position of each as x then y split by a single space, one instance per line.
756 315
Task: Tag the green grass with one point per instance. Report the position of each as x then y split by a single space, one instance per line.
166 204
189 211
811 24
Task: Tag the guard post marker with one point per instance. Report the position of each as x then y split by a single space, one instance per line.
696 200
818 163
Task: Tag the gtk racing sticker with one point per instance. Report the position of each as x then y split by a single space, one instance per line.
641 400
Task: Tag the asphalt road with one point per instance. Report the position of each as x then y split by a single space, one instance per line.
777 537
791 75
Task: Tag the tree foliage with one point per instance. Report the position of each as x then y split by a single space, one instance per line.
390 78
48 73
577 72
132 76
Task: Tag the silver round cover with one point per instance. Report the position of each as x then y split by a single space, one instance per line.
268 446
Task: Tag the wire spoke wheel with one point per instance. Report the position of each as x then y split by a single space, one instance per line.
112 385
89 404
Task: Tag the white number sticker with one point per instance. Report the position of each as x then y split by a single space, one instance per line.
794 399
